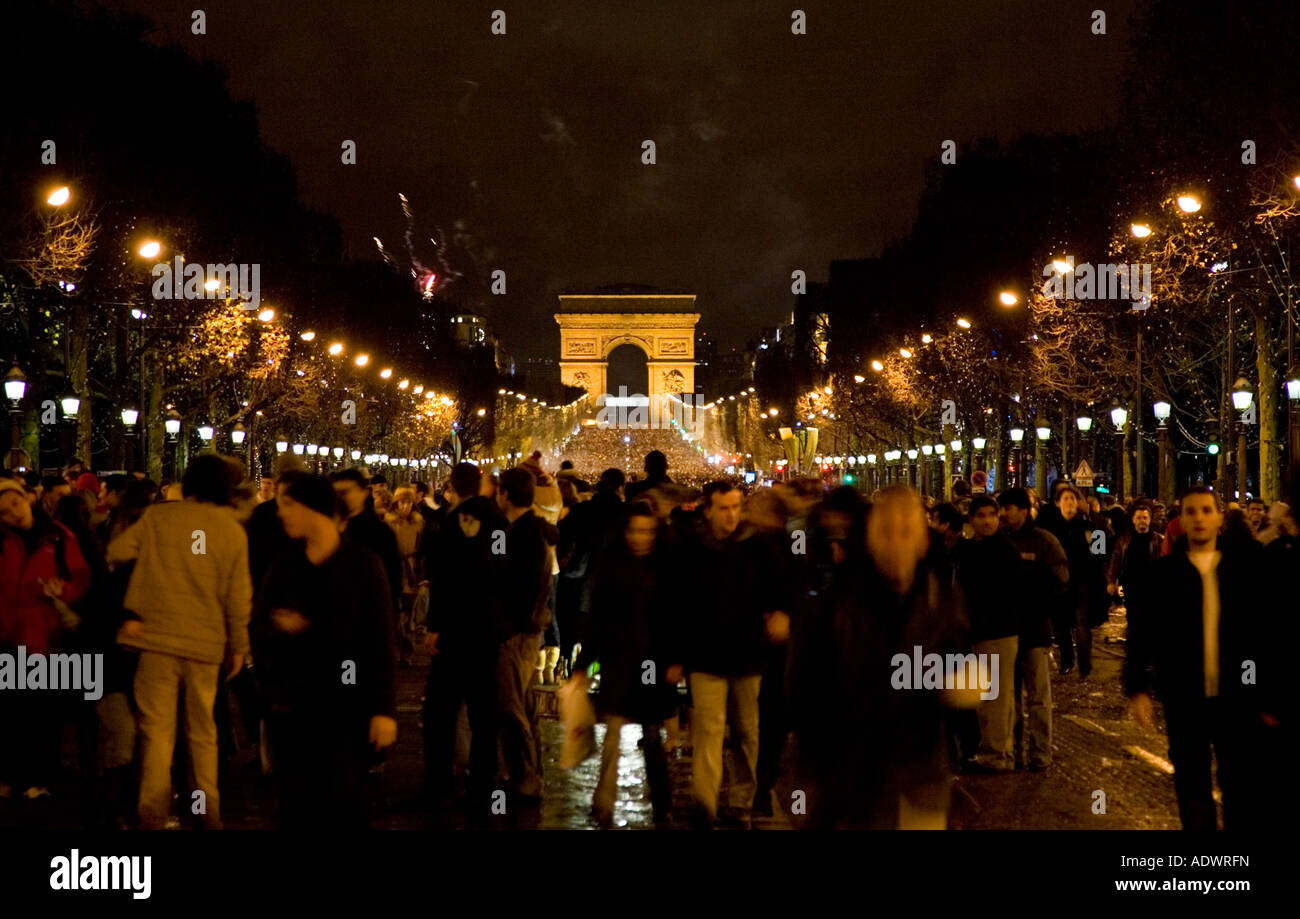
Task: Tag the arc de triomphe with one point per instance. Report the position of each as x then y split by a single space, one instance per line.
661 325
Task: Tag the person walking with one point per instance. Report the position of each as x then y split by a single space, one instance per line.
41 569
323 632
408 527
1045 579
873 751
1076 611
525 589
192 596
989 572
466 630
1198 646
628 630
728 614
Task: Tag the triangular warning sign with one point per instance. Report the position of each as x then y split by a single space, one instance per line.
1083 474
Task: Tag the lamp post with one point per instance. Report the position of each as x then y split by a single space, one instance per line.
927 450
1164 483
172 424
1119 418
1242 396
129 417
1293 420
911 466
1040 459
1017 458
15 389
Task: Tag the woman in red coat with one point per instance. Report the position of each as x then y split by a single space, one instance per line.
40 563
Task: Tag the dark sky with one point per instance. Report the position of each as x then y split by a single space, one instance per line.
775 151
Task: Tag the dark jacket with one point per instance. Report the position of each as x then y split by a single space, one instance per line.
1046 579
1130 563
1165 646
630 625
267 540
1087 587
990 574
368 530
635 490
862 742
587 529
724 590
351 616
526 586
465 575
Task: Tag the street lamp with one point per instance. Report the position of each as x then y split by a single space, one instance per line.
1017 434
1162 411
1119 418
1243 394
281 445
172 424
59 196
129 417
206 433
15 389
71 405
356 455
237 434
298 449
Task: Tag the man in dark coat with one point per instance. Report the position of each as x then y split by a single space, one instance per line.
365 527
990 573
1076 612
525 588
729 610
465 631
324 632
872 744
1046 577
1199 646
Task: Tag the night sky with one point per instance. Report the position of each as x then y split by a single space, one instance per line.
775 151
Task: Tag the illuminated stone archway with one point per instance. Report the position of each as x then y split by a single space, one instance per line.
661 325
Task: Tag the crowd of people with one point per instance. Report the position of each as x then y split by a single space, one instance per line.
725 623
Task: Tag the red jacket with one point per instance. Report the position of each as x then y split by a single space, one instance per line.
27 616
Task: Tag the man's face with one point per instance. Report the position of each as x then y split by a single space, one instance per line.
985 522
266 491
352 495
1142 521
723 513
641 535
404 506
1254 514
1013 517
1201 518
1068 504
15 510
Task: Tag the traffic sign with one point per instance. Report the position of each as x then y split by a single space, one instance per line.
1083 475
